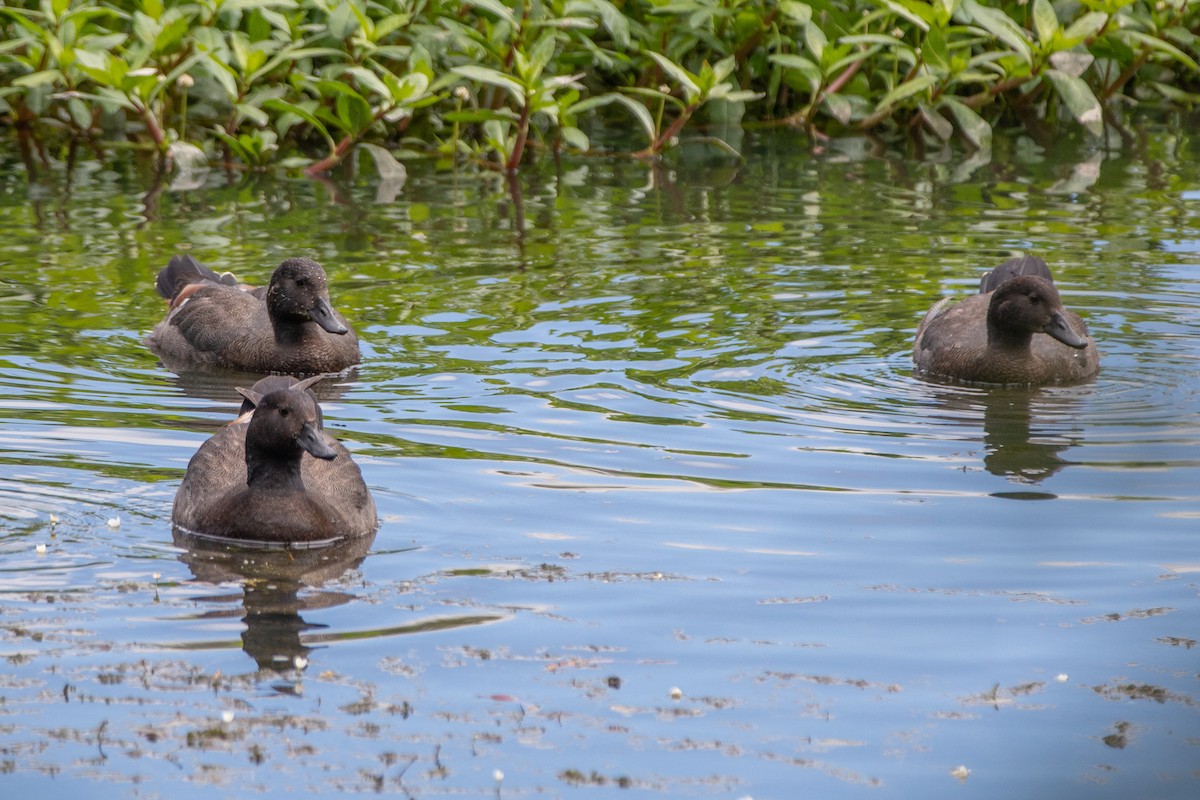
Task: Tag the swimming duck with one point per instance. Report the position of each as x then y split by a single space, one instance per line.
288 326
1015 331
273 477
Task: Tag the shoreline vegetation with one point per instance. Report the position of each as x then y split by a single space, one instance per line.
298 84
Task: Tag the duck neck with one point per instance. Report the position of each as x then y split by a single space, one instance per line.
1007 339
273 474
293 331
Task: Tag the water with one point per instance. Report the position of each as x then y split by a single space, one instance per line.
664 511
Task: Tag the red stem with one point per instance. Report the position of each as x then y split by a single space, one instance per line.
514 159
332 159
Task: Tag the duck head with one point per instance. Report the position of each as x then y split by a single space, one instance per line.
299 292
1026 305
286 424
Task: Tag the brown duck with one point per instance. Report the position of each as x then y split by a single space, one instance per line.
289 326
1015 331
274 477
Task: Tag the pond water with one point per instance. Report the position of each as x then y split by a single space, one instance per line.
664 509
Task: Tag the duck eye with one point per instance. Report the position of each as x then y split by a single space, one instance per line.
301 282
283 412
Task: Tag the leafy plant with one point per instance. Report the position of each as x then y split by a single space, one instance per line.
492 80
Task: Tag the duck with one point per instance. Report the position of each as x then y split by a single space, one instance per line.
288 326
1015 331
273 477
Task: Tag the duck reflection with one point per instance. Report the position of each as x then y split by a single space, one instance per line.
1025 429
1022 435
277 585
220 385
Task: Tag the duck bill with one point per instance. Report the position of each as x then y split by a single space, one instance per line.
313 442
322 314
1060 329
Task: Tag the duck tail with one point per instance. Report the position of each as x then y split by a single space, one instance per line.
182 271
1021 265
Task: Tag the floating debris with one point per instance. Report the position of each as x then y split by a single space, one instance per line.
300 662
961 772
497 775
115 522
227 717
676 693
1061 677
41 549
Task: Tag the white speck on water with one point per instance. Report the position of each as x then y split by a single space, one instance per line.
115 522
497 775
961 772
41 549
227 717
676 693
1061 677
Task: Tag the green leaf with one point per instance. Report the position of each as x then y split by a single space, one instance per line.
1175 94
839 108
342 21
800 13
1083 28
999 25
240 45
104 68
493 78
494 7
307 116
353 112
919 14
408 89
1163 47
253 113
723 68
974 128
1077 96
593 102
1071 62
575 138
171 34
941 127
640 113
815 40
906 89
223 74
81 115
810 71
611 17
388 24
741 96
1045 21
678 73
934 50
234 146
539 56
369 80
43 78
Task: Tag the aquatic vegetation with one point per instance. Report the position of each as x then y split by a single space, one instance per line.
301 82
